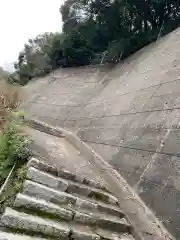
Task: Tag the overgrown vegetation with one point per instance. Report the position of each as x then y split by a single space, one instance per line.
13 187
92 28
13 148
13 143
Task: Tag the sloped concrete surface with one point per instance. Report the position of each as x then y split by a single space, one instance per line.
60 153
130 115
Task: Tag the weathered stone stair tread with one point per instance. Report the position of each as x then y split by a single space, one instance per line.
11 236
63 173
101 206
43 192
108 235
29 223
83 233
70 186
50 210
90 192
112 210
68 200
103 221
86 205
33 224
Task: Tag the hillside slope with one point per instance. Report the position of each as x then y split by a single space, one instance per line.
130 115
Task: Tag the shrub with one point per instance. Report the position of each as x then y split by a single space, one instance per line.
13 143
13 148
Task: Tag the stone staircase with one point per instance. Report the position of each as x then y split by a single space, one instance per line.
56 204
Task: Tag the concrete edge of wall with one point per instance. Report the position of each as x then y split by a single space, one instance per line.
146 225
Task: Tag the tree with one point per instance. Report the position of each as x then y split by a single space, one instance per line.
94 27
121 26
75 50
55 52
34 60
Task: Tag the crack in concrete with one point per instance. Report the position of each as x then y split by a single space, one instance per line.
154 157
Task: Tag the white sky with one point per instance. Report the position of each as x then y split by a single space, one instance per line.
23 19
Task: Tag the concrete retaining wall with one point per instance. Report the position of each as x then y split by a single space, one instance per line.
130 115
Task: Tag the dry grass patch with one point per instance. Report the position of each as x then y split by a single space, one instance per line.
10 98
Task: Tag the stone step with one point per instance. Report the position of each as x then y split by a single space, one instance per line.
49 194
111 210
85 204
50 210
108 235
34 225
92 193
79 233
66 200
40 206
70 186
11 236
27 223
83 233
63 173
47 179
103 221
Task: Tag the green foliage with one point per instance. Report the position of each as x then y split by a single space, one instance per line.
69 50
75 50
19 114
92 27
49 51
34 61
121 27
14 186
20 176
56 51
13 148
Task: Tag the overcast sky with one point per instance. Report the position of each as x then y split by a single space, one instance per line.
23 19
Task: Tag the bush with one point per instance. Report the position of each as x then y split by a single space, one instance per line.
13 143
13 148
